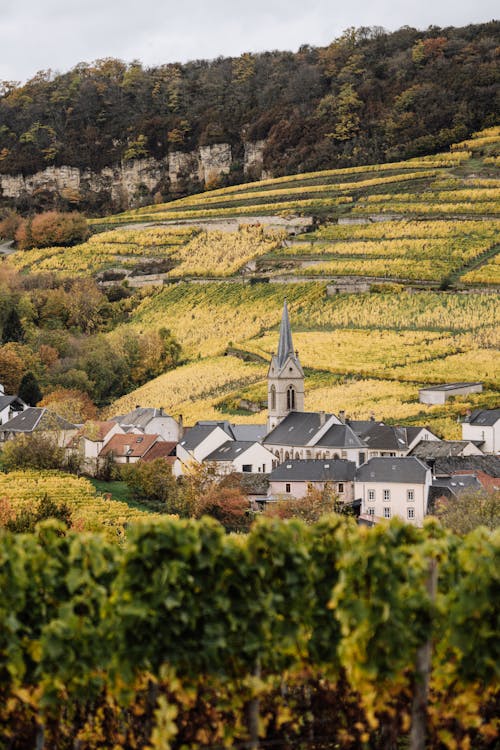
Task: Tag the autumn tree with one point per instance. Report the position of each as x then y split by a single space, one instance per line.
52 228
26 519
70 403
38 450
469 510
12 368
310 508
152 482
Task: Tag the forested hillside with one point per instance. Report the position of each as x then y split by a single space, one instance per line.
370 96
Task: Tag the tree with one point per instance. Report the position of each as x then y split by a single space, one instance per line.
315 504
12 328
470 510
74 405
29 390
228 505
153 482
36 451
52 228
12 368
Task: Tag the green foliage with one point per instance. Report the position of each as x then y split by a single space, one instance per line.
26 520
29 390
12 328
153 482
470 510
38 450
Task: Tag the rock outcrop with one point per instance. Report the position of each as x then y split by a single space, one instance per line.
133 183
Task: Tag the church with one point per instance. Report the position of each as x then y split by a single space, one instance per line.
293 433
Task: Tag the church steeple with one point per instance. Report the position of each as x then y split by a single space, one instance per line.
285 379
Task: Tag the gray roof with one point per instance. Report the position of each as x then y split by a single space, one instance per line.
141 416
230 450
340 436
36 417
385 437
314 470
297 428
439 448
486 417
253 432
8 400
389 469
447 466
285 345
448 386
193 436
457 484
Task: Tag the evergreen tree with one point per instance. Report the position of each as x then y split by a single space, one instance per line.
29 390
12 328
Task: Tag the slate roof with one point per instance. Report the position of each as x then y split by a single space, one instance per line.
340 436
297 428
285 345
253 432
456 485
36 417
486 417
448 386
193 436
408 469
431 449
141 416
138 445
230 450
314 470
447 466
384 437
8 400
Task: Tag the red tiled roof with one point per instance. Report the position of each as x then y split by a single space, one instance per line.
161 450
129 445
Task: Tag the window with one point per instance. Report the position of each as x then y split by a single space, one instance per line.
362 457
387 495
410 495
371 495
290 398
246 467
387 512
371 511
273 397
341 487
343 454
410 513
288 488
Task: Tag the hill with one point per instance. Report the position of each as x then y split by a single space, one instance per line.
390 272
110 134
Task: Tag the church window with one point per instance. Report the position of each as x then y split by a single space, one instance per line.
290 398
273 397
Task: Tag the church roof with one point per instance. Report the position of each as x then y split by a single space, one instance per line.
285 346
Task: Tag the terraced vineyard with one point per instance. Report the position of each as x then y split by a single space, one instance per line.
400 232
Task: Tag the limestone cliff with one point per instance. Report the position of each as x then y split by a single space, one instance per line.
133 183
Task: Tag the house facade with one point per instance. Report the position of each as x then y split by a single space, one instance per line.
483 426
292 479
241 456
391 487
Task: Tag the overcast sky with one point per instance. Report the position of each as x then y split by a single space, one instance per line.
41 34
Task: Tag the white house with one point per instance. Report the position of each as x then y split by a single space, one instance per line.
41 420
151 422
10 406
241 456
197 443
90 440
483 426
389 487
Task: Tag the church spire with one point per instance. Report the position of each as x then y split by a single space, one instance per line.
285 346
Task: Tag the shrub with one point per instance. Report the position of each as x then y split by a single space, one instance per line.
52 228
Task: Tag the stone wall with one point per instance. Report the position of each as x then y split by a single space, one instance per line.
134 182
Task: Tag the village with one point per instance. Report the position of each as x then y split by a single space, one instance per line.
377 470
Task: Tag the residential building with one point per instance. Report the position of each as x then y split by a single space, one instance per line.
241 456
381 439
430 450
391 486
89 441
483 426
151 421
293 478
38 419
10 406
129 448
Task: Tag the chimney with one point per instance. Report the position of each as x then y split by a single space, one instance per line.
161 411
181 426
342 416
322 418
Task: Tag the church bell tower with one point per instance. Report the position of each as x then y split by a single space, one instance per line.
285 379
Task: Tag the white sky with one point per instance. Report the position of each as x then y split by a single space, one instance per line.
57 34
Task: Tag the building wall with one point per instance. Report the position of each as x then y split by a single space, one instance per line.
489 434
165 426
399 503
440 397
298 490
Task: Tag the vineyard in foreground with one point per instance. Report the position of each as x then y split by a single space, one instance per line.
186 637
